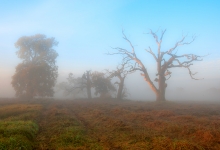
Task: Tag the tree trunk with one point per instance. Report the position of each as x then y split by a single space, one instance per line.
120 89
160 96
150 83
88 85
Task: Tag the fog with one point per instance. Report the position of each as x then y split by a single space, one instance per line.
180 86
87 30
138 89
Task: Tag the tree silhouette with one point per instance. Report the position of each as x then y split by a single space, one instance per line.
76 86
121 73
86 76
37 73
103 86
163 64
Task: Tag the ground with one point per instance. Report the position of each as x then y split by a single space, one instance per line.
108 125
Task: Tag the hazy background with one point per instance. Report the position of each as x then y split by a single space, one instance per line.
86 30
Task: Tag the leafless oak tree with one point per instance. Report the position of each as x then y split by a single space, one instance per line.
163 65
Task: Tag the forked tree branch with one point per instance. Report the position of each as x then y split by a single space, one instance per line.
179 43
137 63
185 64
129 56
125 38
121 71
192 74
151 52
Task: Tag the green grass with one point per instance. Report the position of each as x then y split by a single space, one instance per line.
17 135
76 138
66 132
71 137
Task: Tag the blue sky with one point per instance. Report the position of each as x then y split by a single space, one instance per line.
86 30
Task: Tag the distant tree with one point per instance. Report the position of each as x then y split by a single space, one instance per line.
73 86
86 76
77 86
165 60
121 73
37 73
103 86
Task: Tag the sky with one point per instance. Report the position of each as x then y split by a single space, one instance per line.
86 30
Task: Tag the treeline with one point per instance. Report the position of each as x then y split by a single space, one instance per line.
36 75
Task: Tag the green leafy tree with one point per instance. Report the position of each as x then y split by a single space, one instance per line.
89 80
37 73
103 86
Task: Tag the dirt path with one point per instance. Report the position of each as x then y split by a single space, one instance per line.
43 138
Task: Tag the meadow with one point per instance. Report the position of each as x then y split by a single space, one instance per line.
47 124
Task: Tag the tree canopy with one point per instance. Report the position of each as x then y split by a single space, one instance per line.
103 86
90 80
37 73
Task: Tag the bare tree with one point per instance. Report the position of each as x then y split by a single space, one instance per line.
121 73
78 85
163 65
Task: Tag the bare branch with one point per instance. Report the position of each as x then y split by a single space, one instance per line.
160 56
122 70
155 36
161 38
168 77
150 51
180 43
186 64
190 57
192 74
136 63
133 51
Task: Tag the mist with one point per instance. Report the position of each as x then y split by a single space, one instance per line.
180 86
93 29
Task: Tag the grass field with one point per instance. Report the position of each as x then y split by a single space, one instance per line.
108 125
